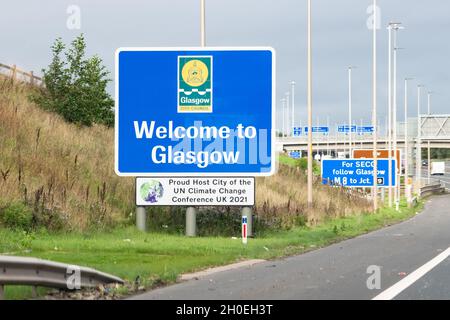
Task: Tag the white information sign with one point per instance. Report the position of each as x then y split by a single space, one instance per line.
195 191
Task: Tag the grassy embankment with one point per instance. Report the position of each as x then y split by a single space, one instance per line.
64 173
160 258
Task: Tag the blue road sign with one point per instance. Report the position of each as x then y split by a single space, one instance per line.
318 129
188 111
295 154
346 129
356 172
297 131
365 129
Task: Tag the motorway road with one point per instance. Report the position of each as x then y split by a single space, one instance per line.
444 178
413 256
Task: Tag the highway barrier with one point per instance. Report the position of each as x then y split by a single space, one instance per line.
37 272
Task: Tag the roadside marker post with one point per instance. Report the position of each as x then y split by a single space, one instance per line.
244 229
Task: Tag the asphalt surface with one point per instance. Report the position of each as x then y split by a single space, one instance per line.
340 270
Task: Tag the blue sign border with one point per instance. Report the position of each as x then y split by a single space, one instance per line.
273 163
394 177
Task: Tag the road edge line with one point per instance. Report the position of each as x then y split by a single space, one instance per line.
403 284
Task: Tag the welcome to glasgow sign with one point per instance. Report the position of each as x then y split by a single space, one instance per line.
188 111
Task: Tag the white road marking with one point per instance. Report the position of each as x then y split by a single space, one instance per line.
397 288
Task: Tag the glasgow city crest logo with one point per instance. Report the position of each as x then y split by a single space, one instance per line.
195 84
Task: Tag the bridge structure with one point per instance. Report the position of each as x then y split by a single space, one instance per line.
434 133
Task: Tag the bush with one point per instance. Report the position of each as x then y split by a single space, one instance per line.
75 87
302 163
17 216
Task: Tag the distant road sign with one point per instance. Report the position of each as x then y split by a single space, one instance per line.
297 131
356 172
295 154
324 130
346 129
195 111
365 129
381 154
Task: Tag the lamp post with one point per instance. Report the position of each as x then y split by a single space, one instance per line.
374 108
293 103
283 113
406 138
390 115
394 120
289 129
419 140
309 94
350 111
191 212
429 145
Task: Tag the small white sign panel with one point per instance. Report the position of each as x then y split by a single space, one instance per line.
195 191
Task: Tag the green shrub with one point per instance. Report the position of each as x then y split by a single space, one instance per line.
75 86
17 216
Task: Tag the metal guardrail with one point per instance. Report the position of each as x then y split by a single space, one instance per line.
435 188
44 273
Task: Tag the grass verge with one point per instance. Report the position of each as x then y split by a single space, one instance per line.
160 258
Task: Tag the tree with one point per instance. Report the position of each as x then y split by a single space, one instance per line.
76 87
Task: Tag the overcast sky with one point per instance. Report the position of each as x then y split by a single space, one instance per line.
341 38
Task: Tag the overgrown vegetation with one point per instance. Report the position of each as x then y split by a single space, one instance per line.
64 174
75 86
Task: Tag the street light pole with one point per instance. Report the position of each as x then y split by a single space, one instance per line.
191 212
310 149
289 131
419 141
293 103
283 111
429 145
390 116
202 23
350 111
406 136
374 109
394 120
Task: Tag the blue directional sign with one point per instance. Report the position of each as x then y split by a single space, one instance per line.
346 129
317 129
297 131
356 172
190 111
365 129
295 154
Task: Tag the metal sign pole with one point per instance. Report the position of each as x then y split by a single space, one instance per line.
191 212
141 218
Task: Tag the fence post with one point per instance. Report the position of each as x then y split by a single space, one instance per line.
13 73
31 78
